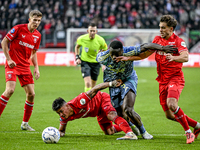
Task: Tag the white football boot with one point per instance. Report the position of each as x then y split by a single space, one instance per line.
147 136
128 136
25 126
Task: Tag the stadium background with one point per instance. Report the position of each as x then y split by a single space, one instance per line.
63 15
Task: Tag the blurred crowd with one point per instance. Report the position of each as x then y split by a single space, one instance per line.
133 14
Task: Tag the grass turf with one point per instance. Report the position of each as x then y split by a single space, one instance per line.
85 133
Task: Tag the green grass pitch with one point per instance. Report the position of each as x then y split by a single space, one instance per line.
85 134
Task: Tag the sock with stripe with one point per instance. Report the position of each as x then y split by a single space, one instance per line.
3 103
180 117
122 124
28 108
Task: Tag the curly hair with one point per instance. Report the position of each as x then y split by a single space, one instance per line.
169 20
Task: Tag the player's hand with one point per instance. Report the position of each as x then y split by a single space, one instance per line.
78 61
62 134
121 58
169 57
36 73
170 49
117 82
11 63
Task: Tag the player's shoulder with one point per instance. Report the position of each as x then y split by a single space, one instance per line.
83 36
99 37
36 32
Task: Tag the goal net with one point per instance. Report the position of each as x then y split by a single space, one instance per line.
128 37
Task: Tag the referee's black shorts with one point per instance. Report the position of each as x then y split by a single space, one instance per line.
90 69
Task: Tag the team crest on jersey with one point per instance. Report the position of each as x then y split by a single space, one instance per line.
12 30
86 49
35 38
183 44
82 101
9 76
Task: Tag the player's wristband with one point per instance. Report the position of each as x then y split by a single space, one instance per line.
110 84
77 57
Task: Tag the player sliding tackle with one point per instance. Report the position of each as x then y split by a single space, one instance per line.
93 103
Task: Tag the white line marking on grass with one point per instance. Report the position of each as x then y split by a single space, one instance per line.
84 133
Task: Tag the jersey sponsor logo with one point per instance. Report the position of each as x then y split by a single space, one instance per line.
26 44
86 49
171 43
10 72
183 44
82 101
12 30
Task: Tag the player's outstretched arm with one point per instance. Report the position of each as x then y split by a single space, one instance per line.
102 86
154 46
62 129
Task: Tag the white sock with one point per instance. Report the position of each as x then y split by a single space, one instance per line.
188 131
197 126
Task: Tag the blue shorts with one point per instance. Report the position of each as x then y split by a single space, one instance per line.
117 94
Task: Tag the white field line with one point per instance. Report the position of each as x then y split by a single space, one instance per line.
27 132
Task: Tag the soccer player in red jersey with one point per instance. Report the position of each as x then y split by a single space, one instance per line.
170 75
24 41
93 103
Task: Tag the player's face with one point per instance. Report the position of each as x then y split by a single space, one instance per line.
34 22
115 53
64 111
165 31
92 31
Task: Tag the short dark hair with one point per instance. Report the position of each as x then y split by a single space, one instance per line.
116 44
58 103
170 20
92 24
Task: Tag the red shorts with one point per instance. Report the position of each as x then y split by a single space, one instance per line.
11 74
106 108
171 90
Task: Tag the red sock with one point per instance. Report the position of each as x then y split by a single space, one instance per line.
3 103
117 128
180 117
190 121
28 108
122 124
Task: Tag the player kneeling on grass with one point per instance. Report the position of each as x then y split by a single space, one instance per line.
93 103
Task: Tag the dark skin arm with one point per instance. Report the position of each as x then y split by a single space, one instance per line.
153 46
146 53
102 86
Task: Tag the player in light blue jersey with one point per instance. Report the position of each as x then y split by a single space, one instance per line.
123 97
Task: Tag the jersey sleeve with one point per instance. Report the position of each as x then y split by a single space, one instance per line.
82 100
79 40
103 45
12 33
181 45
101 56
131 50
63 121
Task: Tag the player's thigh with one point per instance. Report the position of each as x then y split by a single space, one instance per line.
85 69
95 68
129 99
